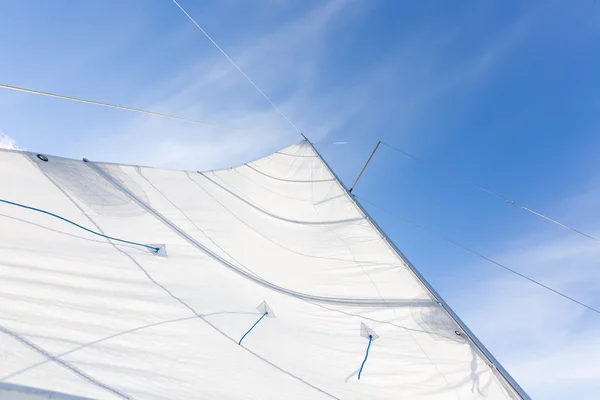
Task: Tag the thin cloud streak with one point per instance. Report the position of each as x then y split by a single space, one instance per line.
6 142
213 87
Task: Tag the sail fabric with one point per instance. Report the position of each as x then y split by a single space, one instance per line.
274 249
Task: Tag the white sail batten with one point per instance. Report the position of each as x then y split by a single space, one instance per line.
274 252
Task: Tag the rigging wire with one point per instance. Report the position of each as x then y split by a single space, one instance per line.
125 108
490 192
451 241
238 68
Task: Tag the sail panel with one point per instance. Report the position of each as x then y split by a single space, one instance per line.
114 320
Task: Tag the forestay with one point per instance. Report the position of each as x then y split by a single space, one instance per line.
274 252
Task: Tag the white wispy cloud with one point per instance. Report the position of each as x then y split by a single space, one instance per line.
286 60
550 345
210 88
6 142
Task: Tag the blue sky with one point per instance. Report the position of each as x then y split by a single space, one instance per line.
502 92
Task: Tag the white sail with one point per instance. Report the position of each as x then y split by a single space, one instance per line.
277 240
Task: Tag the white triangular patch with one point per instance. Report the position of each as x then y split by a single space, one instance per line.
162 250
365 332
264 308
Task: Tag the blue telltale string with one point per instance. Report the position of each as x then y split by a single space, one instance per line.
155 249
252 327
366 356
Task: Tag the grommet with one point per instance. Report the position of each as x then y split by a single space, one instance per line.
458 333
42 157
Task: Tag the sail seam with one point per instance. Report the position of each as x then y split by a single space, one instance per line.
295 155
287 180
139 171
163 219
362 302
341 221
272 191
365 262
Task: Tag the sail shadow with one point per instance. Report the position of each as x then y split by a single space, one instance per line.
139 328
354 373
